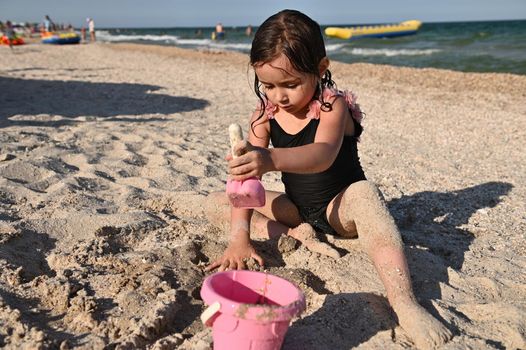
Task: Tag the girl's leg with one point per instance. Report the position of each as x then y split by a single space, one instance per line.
360 209
279 216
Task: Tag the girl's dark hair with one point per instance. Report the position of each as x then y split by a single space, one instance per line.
299 38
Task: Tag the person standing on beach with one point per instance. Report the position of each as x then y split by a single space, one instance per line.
9 33
314 129
91 28
49 25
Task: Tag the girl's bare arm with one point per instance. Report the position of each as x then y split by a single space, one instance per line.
312 158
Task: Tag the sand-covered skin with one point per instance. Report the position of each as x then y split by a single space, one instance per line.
107 153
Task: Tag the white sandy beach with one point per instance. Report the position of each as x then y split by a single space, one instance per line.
107 153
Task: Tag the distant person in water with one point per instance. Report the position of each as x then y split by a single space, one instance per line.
219 33
248 31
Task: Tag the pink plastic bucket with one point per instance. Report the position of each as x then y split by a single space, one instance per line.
249 309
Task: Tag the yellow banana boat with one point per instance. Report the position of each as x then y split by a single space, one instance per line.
375 31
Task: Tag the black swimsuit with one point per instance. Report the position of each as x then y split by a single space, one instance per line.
312 193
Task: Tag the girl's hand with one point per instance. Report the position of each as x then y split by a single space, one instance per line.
235 257
251 162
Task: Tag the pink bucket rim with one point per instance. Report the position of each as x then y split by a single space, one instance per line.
259 313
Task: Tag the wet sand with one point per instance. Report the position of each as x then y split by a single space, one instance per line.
107 153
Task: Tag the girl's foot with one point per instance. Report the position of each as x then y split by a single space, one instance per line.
424 330
307 236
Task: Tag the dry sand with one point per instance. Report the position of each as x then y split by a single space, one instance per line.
107 153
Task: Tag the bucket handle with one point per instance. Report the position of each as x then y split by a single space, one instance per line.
207 317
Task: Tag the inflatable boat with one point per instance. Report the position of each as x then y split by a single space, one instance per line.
376 31
60 38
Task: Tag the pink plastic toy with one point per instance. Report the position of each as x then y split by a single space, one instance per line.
246 194
249 193
249 309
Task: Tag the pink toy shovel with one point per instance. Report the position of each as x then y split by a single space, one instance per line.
248 193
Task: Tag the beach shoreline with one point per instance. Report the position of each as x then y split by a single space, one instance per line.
485 46
107 153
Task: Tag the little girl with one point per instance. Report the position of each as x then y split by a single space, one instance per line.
314 129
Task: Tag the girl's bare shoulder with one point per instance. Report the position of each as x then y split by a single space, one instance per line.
338 106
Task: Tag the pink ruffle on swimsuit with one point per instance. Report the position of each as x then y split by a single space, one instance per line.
315 106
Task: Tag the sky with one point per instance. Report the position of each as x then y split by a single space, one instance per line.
195 13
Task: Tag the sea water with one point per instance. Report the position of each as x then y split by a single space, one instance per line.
490 46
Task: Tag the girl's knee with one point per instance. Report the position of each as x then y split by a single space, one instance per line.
364 198
370 213
364 189
361 210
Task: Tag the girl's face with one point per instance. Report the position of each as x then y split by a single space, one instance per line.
285 87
